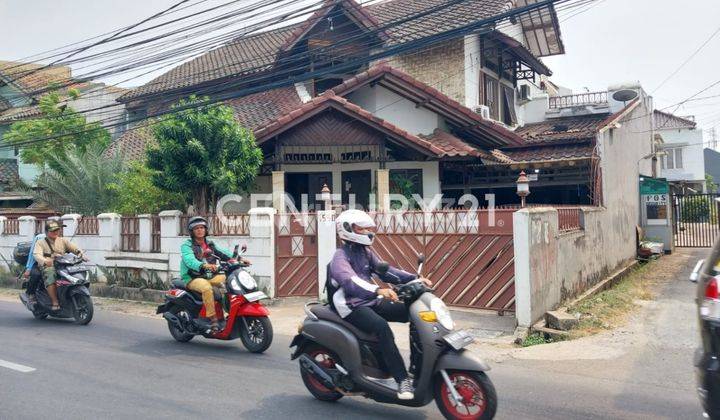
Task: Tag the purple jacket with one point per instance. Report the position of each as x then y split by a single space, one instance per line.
350 272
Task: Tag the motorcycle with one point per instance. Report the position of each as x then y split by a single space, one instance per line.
73 290
247 318
336 359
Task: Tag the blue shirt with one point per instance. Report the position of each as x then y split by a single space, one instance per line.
31 258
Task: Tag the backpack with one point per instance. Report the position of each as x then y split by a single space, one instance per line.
22 252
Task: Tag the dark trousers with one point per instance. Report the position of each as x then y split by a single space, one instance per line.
374 320
34 280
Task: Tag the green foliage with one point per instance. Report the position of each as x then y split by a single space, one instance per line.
135 193
80 184
698 209
403 185
204 151
133 277
534 340
71 129
711 186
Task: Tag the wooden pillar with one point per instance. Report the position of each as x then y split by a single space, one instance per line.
382 177
278 190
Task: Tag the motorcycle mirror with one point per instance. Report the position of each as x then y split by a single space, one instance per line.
382 267
421 258
244 248
235 251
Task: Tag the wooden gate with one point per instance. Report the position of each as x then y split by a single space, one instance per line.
469 254
296 252
696 219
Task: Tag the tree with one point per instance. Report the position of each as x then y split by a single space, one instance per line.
68 130
80 182
710 185
204 151
135 193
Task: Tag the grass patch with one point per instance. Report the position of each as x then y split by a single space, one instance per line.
610 308
539 338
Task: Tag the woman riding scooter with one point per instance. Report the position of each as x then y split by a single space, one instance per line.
363 303
195 260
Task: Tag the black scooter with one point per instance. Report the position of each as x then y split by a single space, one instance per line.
336 359
73 283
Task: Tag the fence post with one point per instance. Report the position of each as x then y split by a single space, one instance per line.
261 225
71 222
26 227
109 227
2 224
326 237
169 228
145 239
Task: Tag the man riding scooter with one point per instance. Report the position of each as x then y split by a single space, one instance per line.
44 253
198 255
363 303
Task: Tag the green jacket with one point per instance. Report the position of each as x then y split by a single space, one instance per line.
189 261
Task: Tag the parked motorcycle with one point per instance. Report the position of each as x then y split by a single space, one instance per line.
337 359
73 289
247 318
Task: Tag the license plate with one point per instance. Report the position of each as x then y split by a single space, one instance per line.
255 296
459 339
77 268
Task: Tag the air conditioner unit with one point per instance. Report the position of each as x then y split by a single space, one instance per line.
525 93
484 111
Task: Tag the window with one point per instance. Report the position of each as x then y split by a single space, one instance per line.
673 160
489 94
406 182
509 117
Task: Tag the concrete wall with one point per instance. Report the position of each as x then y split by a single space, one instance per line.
396 110
693 160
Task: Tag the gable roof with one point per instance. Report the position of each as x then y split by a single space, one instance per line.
665 120
329 100
463 118
257 53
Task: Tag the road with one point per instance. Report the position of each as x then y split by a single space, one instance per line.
128 367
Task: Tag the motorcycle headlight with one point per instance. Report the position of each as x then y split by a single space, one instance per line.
245 279
442 313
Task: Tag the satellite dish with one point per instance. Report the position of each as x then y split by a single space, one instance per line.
624 95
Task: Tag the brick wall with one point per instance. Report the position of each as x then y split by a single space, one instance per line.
441 66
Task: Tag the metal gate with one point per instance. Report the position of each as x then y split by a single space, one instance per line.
695 219
469 254
296 252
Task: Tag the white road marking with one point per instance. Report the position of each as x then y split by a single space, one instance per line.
15 366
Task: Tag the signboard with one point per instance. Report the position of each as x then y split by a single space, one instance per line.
655 198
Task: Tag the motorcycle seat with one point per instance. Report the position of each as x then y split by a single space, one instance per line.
326 313
179 284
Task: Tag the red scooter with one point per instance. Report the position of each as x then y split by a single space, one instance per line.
247 318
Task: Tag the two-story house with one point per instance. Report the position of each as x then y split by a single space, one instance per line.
683 163
426 115
21 86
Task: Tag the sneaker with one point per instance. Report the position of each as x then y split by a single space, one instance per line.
406 390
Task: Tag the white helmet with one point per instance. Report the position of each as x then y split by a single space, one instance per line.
346 220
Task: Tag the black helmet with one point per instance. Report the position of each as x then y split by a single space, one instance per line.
196 221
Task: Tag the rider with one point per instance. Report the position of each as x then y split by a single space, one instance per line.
44 253
357 298
196 255
32 272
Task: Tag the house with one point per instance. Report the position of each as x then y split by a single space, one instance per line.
419 116
683 163
21 86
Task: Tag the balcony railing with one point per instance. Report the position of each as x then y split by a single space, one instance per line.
590 98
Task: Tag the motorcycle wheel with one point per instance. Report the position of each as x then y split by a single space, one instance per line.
83 313
326 359
476 390
177 334
258 335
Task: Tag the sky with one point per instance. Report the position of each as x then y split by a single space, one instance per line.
612 42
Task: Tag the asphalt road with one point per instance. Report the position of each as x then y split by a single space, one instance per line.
128 367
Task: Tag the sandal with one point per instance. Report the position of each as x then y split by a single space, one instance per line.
55 308
215 326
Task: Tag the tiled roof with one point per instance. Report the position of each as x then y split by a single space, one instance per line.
562 129
252 111
241 56
551 152
451 145
250 54
666 120
19 113
329 99
22 75
428 93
